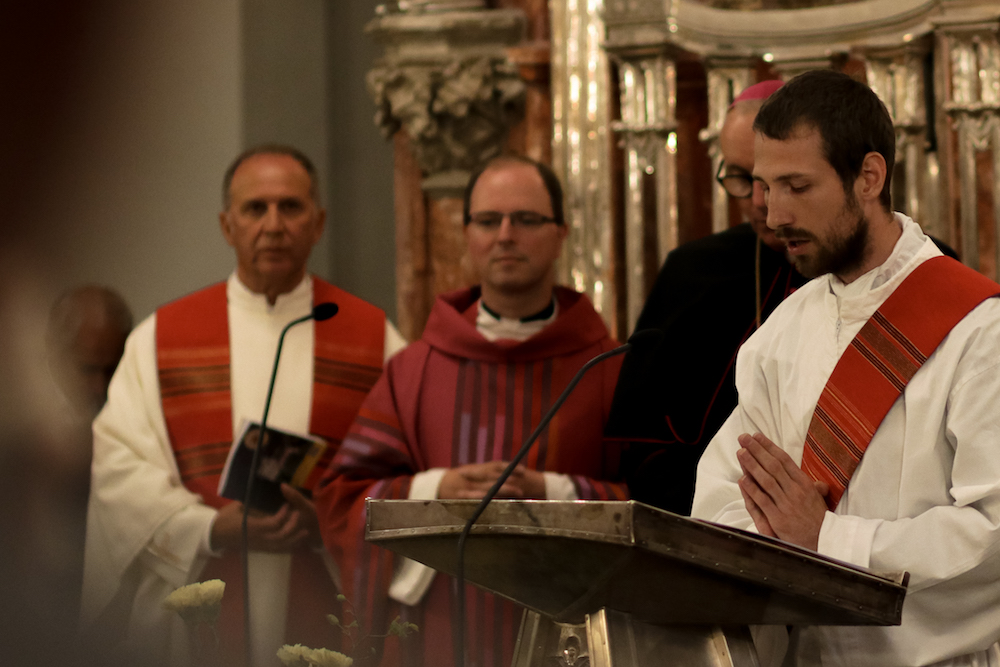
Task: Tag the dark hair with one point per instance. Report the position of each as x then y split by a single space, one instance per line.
549 178
270 149
850 118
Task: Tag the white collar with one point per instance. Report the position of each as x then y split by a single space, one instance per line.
910 242
493 328
292 304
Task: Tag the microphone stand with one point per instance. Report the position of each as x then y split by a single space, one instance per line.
320 312
459 587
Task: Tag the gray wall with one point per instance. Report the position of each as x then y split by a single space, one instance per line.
304 67
360 187
284 86
168 95
119 119
153 119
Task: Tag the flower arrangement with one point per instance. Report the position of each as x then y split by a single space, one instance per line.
303 656
197 603
364 648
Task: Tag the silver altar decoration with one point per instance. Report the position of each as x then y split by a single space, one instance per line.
971 100
445 79
581 148
896 76
638 40
648 93
891 37
465 119
726 80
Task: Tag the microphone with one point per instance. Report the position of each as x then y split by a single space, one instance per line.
324 311
320 312
644 341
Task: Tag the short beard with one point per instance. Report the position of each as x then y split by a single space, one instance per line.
842 254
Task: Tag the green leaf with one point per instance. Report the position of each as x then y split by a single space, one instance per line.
401 630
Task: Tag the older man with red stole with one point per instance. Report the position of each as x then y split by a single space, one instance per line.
191 374
452 408
867 423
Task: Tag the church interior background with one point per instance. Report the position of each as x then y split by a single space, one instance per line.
120 117
627 97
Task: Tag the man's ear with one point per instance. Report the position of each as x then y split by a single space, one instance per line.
320 224
872 177
564 230
226 226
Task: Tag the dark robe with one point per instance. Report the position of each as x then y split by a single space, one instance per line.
454 398
669 403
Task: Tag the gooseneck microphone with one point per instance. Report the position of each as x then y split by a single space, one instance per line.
320 312
644 341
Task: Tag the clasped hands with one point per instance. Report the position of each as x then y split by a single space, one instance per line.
294 525
473 480
783 501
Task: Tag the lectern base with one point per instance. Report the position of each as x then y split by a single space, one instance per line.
612 639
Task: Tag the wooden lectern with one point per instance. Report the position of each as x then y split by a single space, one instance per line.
622 584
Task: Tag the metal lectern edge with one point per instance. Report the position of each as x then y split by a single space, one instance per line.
693 540
757 560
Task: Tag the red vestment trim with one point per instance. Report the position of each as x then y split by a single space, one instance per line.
192 347
880 361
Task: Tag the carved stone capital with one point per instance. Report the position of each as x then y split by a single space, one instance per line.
897 77
648 97
446 81
973 75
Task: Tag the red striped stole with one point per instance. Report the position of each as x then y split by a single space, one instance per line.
880 361
192 346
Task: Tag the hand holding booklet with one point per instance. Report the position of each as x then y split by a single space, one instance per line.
285 457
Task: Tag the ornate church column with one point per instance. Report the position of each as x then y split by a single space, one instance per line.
648 94
647 89
533 136
727 77
581 149
448 95
897 77
968 62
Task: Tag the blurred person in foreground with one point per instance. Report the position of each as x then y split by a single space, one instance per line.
866 427
85 338
191 374
45 459
453 408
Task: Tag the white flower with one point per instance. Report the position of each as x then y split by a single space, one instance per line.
197 603
293 656
303 656
322 657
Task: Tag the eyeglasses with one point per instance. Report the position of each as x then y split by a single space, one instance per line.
491 220
737 185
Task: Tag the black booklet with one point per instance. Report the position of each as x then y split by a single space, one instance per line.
285 457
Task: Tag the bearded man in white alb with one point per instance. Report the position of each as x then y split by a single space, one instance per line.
867 426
